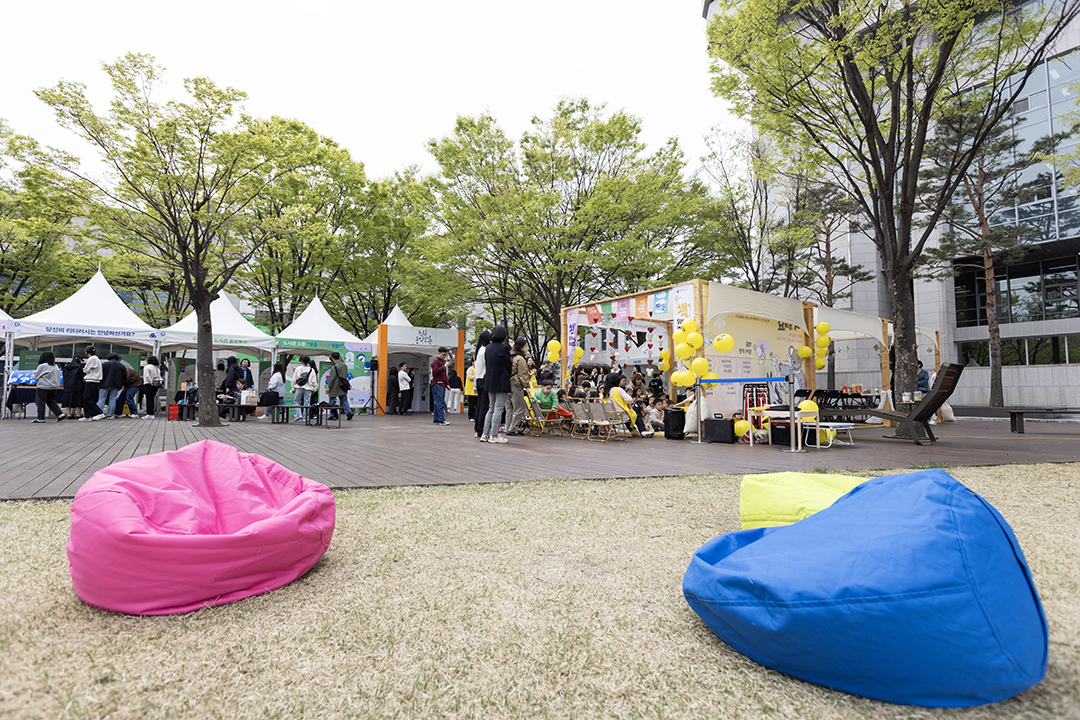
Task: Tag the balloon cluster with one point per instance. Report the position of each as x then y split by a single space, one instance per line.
823 341
553 348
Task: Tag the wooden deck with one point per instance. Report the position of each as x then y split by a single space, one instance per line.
53 460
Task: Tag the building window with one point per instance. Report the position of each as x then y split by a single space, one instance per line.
1027 292
1054 350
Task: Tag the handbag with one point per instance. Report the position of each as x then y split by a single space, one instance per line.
158 382
343 384
270 398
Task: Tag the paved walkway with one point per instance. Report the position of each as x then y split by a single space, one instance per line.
53 460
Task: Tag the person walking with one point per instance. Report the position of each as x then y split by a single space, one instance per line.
498 367
113 377
439 383
151 383
306 383
48 379
338 389
519 382
404 380
479 370
91 386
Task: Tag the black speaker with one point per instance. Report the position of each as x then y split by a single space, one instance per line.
374 365
674 422
718 430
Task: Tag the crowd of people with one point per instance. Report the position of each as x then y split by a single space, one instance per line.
502 380
93 389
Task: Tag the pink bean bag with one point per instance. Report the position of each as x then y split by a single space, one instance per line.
203 525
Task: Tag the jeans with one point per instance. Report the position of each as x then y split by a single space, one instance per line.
343 401
438 394
303 397
497 401
130 402
107 400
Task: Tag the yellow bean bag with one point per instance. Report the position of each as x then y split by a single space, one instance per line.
787 497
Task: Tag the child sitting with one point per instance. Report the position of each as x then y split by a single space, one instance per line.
549 403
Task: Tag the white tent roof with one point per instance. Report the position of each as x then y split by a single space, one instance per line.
94 312
4 318
231 330
316 324
403 336
725 299
397 317
845 325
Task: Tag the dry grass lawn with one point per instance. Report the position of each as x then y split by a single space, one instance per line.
539 599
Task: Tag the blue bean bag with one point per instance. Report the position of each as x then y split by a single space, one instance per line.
910 589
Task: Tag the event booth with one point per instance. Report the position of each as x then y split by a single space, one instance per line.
316 334
397 340
231 331
93 313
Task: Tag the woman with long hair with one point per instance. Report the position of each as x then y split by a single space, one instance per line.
49 381
615 389
519 381
497 365
73 387
479 370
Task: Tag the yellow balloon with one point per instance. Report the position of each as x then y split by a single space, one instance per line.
689 326
679 336
808 406
687 378
695 340
823 328
578 352
710 376
819 363
665 354
700 366
723 343
683 351
822 341
664 367
553 357
822 352
554 346
742 427
805 352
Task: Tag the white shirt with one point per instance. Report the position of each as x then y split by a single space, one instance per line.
312 380
403 380
480 366
276 384
92 369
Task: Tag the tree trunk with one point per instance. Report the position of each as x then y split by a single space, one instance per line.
204 364
904 340
997 393
830 375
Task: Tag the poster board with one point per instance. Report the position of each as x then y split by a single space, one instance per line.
357 359
763 348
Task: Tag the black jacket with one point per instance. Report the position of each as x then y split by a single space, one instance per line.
391 381
113 375
234 373
498 367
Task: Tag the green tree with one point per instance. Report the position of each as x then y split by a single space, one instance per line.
41 258
974 240
182 177
862 83
575 211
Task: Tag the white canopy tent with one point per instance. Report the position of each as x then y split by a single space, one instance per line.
412 344
316 324
232 331
94 312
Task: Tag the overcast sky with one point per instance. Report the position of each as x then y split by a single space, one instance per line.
381 78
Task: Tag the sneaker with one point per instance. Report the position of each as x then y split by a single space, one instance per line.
500 439
349 416
61 418
147 417
444 422
99 417
37 421
84 419
484 438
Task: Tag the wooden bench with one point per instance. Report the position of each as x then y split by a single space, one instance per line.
1016 415
313 414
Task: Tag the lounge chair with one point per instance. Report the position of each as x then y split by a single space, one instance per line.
947 379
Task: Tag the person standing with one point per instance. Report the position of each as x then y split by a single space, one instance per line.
129 396
454 390
470 391
338 381
306 383
393 392
151 383
404 380
479 370
497 365
519 382
439 383
92 385
113 377
48 380
74 386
